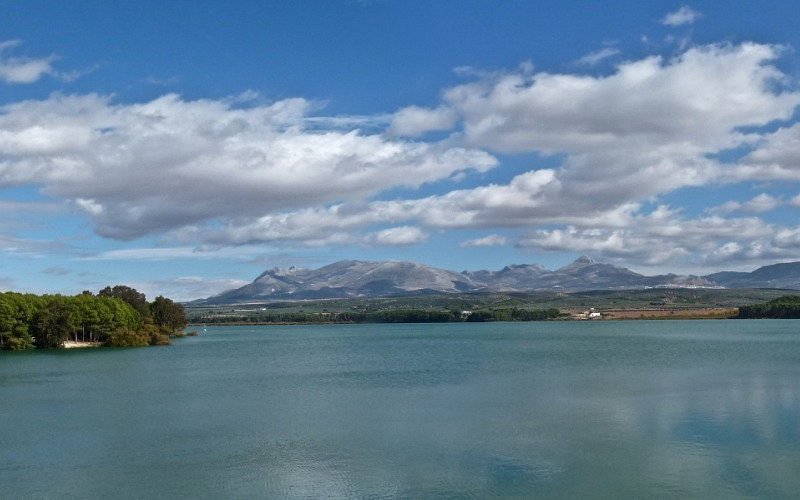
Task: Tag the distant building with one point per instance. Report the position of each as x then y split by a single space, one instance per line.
590 314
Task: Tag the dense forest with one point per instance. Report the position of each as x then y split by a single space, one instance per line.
118 316
382 316
785 307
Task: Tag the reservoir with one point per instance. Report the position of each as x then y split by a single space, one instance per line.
549 409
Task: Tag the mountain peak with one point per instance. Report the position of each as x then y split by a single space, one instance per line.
354 278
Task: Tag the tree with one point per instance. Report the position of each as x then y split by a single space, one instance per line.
88 317
168 315
55 322
8 319
129 295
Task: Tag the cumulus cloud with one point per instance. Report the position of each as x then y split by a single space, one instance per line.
492 240
651 127
664 239
312 226
776 157
660 237
19 69
687 105
227 172
758 204
137 169
400 236
682 16
414 120
522 202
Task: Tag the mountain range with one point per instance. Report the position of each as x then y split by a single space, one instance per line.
354 278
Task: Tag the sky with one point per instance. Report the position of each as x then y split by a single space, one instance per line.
182 148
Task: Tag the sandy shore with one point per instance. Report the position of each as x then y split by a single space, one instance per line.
71 344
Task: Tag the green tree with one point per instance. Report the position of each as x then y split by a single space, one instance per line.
16 316
168 315
88 316
8 319
55 322
131 296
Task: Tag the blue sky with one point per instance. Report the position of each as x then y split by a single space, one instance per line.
182 148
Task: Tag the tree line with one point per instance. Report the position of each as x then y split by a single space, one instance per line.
118 316
385 316
785 307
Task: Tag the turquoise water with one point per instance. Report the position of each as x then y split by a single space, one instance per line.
574 409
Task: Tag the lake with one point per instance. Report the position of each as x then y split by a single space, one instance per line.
550 409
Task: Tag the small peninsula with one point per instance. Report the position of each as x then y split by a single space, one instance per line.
118 316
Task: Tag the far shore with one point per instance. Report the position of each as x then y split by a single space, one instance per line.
687 313
571 314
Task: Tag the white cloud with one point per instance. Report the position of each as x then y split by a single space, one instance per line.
756 205
597 241
651 127
414 120
598 56
400 236
685 106
89 206
726 208
529 199
310 226
166 164
240 172
18 69
664 240
684 15
777 157
487 241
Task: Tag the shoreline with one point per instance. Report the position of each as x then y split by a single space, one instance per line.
71 344
655 314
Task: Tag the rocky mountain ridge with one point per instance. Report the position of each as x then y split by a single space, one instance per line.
354 278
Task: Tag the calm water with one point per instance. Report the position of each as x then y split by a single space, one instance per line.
702 408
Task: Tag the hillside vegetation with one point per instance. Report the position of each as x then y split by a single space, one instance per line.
787 306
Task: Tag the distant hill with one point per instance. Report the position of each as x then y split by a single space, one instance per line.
347 278
355 278
785 275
